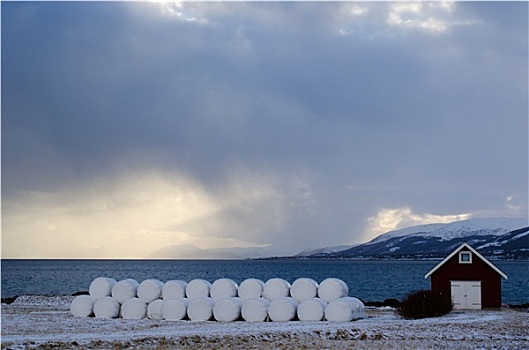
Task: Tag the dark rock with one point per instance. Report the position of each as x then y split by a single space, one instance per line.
9 300
388 302
391 303
519 306
83 292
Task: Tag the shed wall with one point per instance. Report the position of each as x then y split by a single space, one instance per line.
477 271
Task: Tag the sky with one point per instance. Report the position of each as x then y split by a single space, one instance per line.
128 127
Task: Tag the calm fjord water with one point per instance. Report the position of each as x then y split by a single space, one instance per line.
367 280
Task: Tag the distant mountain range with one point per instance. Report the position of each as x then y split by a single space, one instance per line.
494 238
498 238
189 251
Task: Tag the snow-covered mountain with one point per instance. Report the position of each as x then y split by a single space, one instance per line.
457 229
499 237
326 250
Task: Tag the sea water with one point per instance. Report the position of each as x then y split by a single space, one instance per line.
367 280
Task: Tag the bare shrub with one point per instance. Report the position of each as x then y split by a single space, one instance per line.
424 303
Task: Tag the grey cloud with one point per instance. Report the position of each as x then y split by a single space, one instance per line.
433 121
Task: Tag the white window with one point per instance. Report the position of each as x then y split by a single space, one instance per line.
465 257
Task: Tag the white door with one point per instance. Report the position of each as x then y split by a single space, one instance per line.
466 294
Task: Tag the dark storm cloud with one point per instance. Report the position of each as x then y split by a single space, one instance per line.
349 107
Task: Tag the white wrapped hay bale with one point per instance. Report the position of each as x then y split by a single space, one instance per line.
200 309
283 309
125 290
82 306
251 288
175 309
304 289
106 307
276 288
150 290
311 310
154 310
134 309
198 288
174 289
227 310
359 310
255 309
101 287
332 288
344 310
223 288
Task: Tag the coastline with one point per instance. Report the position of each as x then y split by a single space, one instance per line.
41 322
368 281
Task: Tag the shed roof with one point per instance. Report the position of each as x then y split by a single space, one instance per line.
465 245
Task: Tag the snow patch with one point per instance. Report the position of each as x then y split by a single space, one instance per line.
46 322
494 226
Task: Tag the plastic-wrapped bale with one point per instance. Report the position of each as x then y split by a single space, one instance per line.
174 289
312 310
344 310
223 288
198 288
82 306
227 310
251 288
154 310
332 288
175 309
255 309
125 290
134 309
101 287
304 289
106 307
359 310
283 309
276 288
200 309
150 290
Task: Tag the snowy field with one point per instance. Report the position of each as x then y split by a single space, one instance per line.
37 322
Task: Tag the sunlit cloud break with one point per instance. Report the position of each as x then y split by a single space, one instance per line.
426 16
393 219
133 216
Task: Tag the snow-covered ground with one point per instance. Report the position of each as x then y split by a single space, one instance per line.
33 322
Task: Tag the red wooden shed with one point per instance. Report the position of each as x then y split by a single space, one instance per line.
471 281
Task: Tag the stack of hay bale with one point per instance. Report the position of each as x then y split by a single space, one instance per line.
223 300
